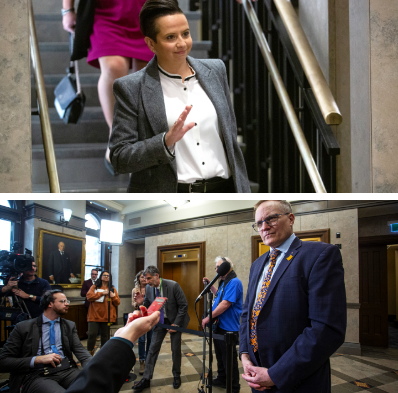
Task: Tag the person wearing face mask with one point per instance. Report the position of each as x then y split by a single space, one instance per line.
174 128
226 311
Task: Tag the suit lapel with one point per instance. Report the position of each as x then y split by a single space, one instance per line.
35 339
212 88
152 99
257 273
287 260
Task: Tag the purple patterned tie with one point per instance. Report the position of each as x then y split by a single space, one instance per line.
161 319
260 300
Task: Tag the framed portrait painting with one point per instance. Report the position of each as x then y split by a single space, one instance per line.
61 258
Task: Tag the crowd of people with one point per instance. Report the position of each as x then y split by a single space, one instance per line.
292 320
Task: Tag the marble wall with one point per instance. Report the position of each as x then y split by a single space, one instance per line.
15 114
234 241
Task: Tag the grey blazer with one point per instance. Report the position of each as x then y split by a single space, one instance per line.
23 344
176 306
136 144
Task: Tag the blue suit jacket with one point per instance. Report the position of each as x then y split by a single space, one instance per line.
303 319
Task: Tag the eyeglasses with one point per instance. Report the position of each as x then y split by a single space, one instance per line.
105 275
64 301
270 220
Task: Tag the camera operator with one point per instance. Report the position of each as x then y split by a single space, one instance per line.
29 287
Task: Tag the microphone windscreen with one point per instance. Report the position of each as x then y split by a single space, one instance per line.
223 269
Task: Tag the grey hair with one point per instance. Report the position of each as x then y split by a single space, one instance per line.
227 259
285 206
152 270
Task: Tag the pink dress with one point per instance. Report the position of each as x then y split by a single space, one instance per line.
116 31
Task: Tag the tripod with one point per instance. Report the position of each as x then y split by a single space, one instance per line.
12 313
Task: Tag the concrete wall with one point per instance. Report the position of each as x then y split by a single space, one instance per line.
15 115
235 241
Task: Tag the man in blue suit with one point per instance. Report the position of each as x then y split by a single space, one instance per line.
294 316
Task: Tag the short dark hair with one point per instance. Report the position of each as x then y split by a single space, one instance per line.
154 9
93 270
48 297
152 270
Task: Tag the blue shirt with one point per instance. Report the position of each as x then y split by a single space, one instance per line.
283 248
230 318
46 339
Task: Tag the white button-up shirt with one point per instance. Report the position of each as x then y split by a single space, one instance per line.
200 154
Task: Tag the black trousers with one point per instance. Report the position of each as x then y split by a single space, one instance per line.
220 348
93 332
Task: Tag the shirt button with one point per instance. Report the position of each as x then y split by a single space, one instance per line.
198 143
203 163
185 88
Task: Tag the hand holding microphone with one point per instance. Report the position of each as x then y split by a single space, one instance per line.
222 270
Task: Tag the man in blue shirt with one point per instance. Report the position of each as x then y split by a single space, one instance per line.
46 342
29 288
227 308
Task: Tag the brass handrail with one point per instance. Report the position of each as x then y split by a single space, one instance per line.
48 143
285 100
312 70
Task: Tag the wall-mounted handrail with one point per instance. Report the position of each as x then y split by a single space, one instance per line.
43 106
284 98
312 70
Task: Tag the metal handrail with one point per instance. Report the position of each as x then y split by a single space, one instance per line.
48 143
312 70
285 100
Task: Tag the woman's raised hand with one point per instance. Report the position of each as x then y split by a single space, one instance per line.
178 130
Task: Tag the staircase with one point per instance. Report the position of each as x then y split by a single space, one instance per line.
79 148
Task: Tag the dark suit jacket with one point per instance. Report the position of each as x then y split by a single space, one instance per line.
303 320
60 267
23 344
107 371
85 288
140 120
176 306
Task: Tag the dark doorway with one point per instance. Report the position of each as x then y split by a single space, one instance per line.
139 264
373 313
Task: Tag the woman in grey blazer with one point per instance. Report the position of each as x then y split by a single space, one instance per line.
174 127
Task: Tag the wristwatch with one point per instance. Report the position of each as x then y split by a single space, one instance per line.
31 297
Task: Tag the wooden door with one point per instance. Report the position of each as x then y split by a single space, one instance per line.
139 264
373 312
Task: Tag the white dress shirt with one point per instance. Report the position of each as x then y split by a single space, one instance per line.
200 154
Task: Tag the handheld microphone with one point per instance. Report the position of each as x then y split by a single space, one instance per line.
222 270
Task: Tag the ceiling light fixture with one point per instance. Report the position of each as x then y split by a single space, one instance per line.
176 202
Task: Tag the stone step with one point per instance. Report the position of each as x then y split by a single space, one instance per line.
92 128
55 56
80 169
49 27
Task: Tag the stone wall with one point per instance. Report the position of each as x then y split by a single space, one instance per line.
15 114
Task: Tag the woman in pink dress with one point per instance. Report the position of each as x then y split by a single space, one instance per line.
117 45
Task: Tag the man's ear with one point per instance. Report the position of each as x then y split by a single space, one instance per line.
150 43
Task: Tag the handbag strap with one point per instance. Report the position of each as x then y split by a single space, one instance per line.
74 66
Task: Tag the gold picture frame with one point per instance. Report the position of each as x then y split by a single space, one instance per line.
74 256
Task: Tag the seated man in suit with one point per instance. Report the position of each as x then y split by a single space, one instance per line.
37 346
175 313
294 316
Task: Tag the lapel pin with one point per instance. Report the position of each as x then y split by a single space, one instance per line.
289 257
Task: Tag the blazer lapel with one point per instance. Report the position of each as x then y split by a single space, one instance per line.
35 339
287 260
212 87
258 274
152 99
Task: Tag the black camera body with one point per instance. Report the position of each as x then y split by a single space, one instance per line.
12 263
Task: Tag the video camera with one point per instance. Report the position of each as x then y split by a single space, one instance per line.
12 263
